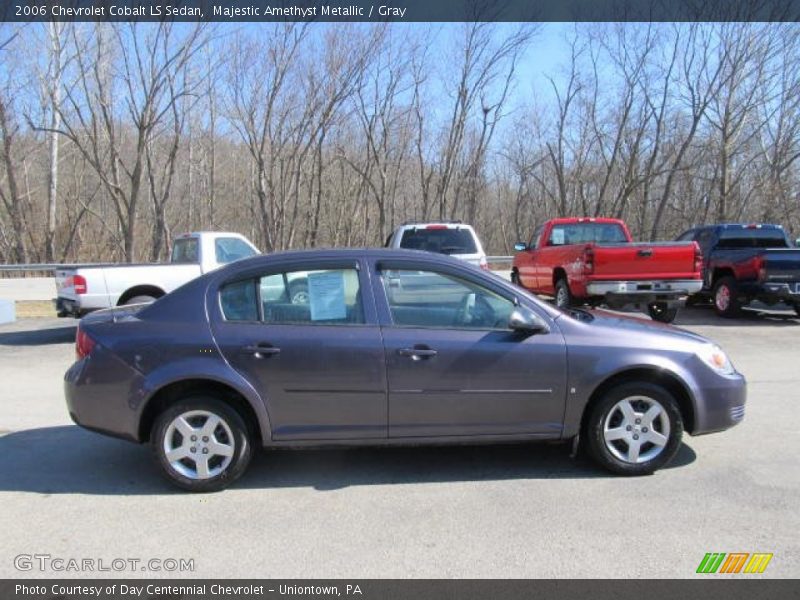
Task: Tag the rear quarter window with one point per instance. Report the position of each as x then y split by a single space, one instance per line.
239 301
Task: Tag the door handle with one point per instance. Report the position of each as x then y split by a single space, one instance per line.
260 350
417 353
645 252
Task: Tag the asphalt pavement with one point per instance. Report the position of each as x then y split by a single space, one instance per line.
469 512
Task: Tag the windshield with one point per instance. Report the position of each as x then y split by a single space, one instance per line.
442 241
582 233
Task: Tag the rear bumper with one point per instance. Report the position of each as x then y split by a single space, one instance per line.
773 292
645 291
67 308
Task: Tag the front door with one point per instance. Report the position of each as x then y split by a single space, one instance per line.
304 338
455 368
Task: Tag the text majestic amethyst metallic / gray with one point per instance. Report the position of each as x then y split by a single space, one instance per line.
349 347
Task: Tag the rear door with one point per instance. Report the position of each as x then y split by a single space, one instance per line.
454 367
316 359
674 260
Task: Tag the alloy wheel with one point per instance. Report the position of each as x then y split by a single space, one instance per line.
199 444
636 429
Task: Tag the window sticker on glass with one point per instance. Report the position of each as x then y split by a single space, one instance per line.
326 296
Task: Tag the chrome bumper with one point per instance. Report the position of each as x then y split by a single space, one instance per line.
676 287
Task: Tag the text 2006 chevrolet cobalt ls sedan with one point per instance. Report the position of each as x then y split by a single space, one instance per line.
352 347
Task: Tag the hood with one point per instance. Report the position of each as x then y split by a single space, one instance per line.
636 332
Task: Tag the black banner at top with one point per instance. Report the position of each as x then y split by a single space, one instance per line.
400 10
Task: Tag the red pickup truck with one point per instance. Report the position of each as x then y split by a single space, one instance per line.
594 260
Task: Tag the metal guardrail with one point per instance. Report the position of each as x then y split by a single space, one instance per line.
29 270
499 260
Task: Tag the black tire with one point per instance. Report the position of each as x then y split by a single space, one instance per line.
611 455
660 311
563 296
797 309
725 298
143 299
298 292
515 278
231 431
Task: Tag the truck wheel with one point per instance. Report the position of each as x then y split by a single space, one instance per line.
515 278
726 301
660 311
634 429
139 300
797 309
563 295
298 293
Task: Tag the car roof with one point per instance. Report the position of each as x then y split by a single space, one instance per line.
350 253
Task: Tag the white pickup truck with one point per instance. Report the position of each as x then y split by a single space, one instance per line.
84 288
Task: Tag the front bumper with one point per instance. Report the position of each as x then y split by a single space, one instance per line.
720 403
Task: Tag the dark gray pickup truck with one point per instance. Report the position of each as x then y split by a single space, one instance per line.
743 263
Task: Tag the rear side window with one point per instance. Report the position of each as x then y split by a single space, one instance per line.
320 297
442 240
239 301
231 249
185 250
752 238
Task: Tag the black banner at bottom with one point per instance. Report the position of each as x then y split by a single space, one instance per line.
390 589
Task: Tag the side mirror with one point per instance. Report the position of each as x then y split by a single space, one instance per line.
524 320
520 247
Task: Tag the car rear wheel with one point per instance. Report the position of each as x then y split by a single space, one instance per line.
563 295
635 429
201 443
726 301
661 312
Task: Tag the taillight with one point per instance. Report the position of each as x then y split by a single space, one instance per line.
83 344
484 264
79 284
698 259
761 268
588 260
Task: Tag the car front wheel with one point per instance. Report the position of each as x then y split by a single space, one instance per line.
635 429
201 444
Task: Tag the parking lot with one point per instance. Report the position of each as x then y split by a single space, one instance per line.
469 512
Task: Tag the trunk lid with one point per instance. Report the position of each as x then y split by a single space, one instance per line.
782 265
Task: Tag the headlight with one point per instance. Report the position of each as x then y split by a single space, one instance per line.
714 357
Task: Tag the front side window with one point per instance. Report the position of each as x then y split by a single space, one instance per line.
429 299
230 249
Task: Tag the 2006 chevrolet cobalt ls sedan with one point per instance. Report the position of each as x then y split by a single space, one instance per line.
345 347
